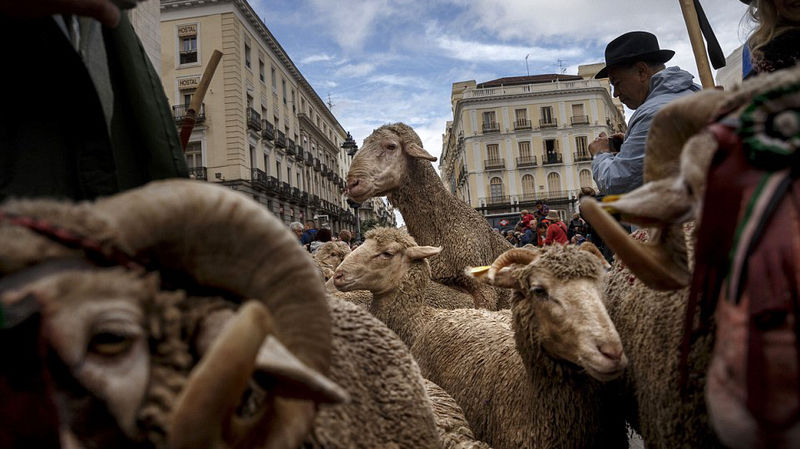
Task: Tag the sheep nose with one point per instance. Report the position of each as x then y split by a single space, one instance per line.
611 350
338 275
353 183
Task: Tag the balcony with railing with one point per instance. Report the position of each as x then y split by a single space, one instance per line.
295 195
548 123
317 165
268 133
272 184
496 200
491 127
303 198
179 111
552 158
309 158
526 161
582 156
290 148
535 87
253 119
300 153
315 200
280 139
494 164
579 119
258 178
199 173
522 124
285 190
545 195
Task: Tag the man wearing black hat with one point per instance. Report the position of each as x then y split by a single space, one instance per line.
635 68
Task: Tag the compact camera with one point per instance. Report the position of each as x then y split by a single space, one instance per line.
614 144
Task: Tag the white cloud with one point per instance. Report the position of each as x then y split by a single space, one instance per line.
353 70
316 58
477 51
350 22
397 80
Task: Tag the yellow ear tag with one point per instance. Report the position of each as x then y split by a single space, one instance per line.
608 199
479 271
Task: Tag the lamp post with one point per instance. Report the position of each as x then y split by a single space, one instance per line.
350 146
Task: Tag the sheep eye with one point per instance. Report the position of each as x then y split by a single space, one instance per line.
109 344
539 291
391 146
386 255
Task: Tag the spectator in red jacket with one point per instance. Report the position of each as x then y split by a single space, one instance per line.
527 218
554 229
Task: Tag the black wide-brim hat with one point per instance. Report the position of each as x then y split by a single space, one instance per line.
631 47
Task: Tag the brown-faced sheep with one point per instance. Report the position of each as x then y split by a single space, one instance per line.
392 162
245 389
695 172
521 375
329 256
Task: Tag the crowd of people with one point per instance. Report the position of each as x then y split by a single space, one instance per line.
312 237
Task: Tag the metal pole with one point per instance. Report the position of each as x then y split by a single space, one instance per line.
526 65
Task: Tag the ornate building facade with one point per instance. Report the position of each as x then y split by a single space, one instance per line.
262 128
516 140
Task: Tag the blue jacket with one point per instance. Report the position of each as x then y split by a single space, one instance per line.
308 236
621 173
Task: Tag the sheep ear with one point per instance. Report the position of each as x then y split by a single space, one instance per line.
421 252
506 277
283 374
417 151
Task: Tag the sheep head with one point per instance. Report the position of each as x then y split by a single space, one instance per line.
329 256
558 304
383 262
678 155
383 162
270 398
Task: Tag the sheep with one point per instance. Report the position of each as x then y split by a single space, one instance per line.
675 355
519 374
329 256
392 162
221 373
454 431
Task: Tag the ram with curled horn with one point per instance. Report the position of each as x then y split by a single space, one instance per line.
729 162
136 364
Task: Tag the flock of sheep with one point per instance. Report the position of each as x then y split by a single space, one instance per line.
183 315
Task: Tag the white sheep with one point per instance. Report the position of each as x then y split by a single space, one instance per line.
392 162
521 375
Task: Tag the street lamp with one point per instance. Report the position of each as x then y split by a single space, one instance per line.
350 145
355 207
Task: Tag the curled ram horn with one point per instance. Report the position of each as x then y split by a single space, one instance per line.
512 256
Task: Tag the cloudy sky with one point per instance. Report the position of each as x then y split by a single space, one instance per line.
384 61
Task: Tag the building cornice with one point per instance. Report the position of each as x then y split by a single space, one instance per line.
249 13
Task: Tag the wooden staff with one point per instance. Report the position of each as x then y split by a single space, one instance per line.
698 45
197 99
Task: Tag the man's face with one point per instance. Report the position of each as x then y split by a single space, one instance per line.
631 84
309 225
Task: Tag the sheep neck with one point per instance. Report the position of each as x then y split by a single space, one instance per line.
404 309
424 202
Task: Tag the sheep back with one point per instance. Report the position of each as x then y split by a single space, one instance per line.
388 405
472 355
454 431
651 326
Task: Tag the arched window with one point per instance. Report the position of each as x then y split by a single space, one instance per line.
553 182
585 177
496 190
528 188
